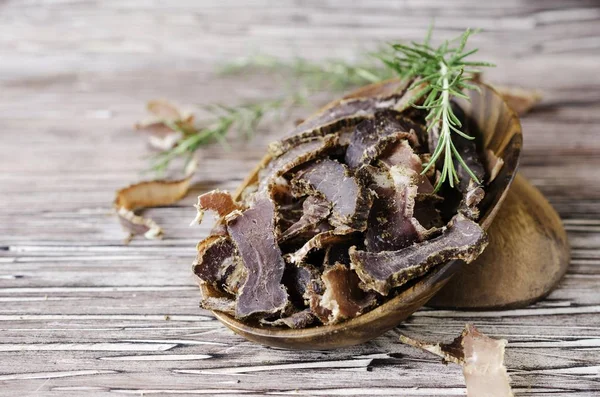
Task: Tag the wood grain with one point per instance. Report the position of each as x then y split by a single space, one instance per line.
81 314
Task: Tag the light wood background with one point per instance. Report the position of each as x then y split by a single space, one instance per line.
82 314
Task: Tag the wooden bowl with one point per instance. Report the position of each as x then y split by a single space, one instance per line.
527 256
501 133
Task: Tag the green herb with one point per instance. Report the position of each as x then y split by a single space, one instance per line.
243 119
328 75
441 74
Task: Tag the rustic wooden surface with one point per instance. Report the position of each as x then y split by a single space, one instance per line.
81 313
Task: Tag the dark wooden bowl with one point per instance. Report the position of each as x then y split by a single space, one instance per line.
527 256
501 133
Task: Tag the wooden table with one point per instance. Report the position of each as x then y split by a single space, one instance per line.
82 314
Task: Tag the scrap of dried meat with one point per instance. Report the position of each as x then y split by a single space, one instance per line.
314 295
301 319
252 231
493 163
343 298
468 152
314 210
147 194
218 201
471 199
381 271
484 370
371 137
164 110
481 357
349 197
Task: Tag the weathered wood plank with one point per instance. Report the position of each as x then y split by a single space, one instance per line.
82 314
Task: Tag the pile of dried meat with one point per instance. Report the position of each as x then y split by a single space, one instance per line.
340 219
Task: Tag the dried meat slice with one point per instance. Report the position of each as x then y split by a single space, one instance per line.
214 299
349 197
219 264
472 191
296 156
373 136
342 297
315 210
215 257
468 151
319 241
297 278
381 271
345 113
402 154
252 232
392 224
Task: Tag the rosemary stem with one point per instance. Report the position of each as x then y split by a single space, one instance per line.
445 128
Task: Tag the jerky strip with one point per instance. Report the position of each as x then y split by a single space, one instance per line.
252 231
463 239
391 225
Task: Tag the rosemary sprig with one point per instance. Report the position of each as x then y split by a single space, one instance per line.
327 75
441 74
244 119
